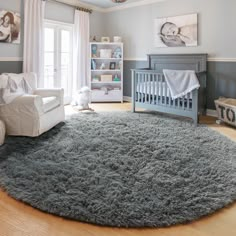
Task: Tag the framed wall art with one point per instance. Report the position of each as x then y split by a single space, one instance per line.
178 31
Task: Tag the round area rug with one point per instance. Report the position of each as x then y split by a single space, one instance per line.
122 169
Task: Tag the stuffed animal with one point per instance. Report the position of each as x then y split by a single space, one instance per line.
82 99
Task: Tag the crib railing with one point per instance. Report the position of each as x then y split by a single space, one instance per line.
150 87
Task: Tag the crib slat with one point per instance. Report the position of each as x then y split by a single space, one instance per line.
161 85
169 97
141 87
153 88
143 101
145 88
183 102
149 88
138 78
165 93
188 99
158 89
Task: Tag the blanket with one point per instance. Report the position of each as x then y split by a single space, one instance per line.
181 82
13 86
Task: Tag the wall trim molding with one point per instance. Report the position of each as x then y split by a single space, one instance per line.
222 59
135 59
211 112
210 59
11 59
127 99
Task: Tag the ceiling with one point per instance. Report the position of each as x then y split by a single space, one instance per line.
106 3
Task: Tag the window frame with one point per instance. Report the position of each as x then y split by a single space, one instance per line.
58 27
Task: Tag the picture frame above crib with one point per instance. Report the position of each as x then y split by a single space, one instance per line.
10 27
177 31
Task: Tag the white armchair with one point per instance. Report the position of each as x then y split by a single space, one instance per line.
33 114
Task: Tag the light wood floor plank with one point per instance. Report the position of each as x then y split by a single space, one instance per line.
18 219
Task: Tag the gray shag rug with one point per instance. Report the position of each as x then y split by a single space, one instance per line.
122 169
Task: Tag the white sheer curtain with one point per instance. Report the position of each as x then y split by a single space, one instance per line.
81 50
33 38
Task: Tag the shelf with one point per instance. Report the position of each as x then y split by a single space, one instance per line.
105 70
97 63
101 82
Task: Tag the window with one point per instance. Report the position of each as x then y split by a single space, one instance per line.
58 56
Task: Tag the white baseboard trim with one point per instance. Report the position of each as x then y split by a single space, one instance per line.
127 99
212 113
135 59
210 59
11 58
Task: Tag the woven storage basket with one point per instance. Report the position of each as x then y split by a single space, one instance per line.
226 110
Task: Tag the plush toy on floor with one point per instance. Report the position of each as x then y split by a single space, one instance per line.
82 99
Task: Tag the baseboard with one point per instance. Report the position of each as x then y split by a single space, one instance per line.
212 113
127 99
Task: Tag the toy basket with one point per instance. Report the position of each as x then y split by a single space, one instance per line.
226 110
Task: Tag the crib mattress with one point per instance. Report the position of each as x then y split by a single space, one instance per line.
157 89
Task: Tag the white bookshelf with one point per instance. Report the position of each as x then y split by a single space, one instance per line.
110 90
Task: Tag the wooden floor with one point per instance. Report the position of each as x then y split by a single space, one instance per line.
18 219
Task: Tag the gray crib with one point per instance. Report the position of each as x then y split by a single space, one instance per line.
150 91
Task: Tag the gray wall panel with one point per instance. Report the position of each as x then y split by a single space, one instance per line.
221 81
11 66
128 65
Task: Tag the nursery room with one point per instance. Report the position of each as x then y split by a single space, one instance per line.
117 117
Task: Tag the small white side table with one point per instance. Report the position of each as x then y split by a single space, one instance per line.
2 132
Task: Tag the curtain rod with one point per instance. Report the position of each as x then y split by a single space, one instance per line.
76 7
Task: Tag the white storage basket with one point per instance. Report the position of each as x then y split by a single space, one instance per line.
226 110
105 53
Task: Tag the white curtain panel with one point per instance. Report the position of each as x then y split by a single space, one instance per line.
33 38
80 50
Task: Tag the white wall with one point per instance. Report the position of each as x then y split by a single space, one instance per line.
217 30
53 11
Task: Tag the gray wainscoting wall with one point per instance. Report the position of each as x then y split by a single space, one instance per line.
11 66
221 79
